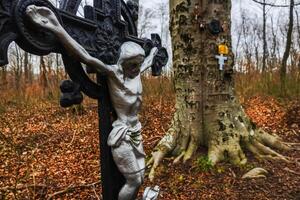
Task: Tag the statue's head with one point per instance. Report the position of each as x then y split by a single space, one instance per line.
131 57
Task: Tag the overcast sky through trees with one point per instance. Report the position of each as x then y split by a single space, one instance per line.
154 18
252 9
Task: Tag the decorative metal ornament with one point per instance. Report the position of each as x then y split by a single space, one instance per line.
71 94
134 9
32 38
161 58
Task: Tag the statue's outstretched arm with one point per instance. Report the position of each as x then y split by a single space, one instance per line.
148 62
45 18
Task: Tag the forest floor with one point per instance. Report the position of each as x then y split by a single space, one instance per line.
47 151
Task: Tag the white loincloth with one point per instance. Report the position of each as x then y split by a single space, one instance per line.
127 149
123 132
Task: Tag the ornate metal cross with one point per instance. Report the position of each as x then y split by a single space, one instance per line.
101 32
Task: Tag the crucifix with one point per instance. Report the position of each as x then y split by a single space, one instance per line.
221 58
107 29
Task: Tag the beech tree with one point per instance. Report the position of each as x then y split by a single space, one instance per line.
207 110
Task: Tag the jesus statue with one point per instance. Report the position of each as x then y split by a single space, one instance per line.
125 88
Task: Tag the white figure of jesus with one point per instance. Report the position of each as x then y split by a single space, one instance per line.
125 87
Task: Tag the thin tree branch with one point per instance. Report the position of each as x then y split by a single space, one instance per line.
275 5
21 187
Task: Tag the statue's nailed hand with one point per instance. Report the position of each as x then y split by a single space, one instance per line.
44 17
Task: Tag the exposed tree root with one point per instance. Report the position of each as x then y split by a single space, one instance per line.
227 134
291 171
256 173
294 146
155 160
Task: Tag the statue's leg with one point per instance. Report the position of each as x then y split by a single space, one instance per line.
141 165
129 166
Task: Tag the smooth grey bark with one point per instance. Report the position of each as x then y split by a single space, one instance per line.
207 111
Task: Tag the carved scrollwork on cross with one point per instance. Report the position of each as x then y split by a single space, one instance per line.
4 14
7 33
100 33
105 27
32 38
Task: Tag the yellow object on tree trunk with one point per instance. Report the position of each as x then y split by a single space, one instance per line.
223 49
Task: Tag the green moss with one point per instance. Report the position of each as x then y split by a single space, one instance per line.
203 164
220 169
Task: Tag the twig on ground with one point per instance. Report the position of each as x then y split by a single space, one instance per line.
21 187
94 189
291 171
71 188
63 191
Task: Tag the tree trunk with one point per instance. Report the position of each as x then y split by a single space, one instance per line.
18 68
287 50
57 68
3 77
264 38
44 78
26 67
207 112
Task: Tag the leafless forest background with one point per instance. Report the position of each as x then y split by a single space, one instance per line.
48 152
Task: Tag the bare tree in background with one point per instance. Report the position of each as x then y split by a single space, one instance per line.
44 78
147 14
17 66
286 54
3 73
26 67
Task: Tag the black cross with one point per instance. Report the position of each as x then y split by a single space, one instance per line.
101 32
101 35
